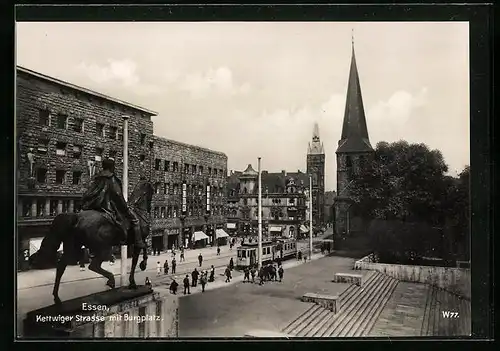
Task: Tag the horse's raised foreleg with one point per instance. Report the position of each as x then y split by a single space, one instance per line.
95 266
61 267
135 259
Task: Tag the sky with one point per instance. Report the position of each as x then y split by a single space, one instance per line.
255 89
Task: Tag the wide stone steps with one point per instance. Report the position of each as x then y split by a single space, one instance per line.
358 311
446 314
354 315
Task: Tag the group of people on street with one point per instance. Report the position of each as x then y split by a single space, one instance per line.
201 277
269 272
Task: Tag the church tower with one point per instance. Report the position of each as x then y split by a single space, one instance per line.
353 149
316 168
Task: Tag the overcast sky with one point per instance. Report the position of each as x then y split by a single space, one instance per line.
255 89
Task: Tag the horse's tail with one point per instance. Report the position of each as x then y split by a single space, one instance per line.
61 226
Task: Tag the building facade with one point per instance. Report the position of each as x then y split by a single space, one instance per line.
190 195
284 203
63 133
353 150
316 168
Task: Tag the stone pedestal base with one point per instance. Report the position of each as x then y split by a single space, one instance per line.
122 312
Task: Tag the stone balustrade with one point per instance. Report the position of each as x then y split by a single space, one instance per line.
327 301
349 278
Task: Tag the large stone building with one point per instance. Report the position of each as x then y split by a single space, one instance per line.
189 195
316 168
353 150
63 133
284 203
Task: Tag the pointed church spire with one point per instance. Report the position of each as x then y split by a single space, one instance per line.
316 147
354 130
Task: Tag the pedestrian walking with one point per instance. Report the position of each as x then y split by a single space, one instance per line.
200 259
174 265
194 277
148 282
305 258
230 246
261 275
280 273
253 272
173 252
203 281
173 286
218 250
186 285
212 274
231 264
228 274
158 268
165 267
182 259
247 275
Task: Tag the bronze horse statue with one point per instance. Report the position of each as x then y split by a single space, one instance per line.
99 234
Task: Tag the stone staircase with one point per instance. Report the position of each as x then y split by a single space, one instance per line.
358 311
441 302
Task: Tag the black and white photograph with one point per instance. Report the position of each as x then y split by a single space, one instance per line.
242 179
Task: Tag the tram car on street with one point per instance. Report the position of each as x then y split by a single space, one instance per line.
272 250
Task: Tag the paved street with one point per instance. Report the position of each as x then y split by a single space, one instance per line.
235 310
35 287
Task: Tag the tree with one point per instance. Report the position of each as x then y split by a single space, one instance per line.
402 182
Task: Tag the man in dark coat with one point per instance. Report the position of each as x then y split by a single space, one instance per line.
105 195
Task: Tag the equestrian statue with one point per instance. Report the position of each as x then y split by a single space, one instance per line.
106 220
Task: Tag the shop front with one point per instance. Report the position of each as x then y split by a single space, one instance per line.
275 231
172 237
199 239
157 242
221 237
232 229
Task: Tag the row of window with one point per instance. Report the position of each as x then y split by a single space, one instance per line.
75 152
174 211
168 166
41 207
62 176
244 190
191 189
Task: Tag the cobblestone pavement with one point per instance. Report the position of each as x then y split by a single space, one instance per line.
235 310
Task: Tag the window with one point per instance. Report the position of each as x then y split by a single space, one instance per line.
186 168
176 167
162 212
98 153
209 171
41 175
112 154
77 177
77 151
157 187
60 176
40 208
43 146
167 166
53 207
169 211
78 125
200 170
26 208
193 169
142 158
157 164
348 162
61 149
62 121
65 206
143 138
99 130
291 201
156 212
176 189
174 212
200 189
113 133
44 117
166 188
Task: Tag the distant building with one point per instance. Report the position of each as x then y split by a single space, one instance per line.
283 203
316 168
190 193
353 150
63 133
329 208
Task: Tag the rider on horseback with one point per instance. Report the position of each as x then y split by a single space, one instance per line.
105 195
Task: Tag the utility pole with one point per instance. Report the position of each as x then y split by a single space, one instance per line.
259 246
123 268
310 219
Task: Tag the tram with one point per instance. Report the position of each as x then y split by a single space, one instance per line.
271 250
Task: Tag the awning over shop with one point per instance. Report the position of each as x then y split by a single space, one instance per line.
35 245
275 229
197 236
231 226
304 229
220 233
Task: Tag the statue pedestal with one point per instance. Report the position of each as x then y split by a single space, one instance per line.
116 313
